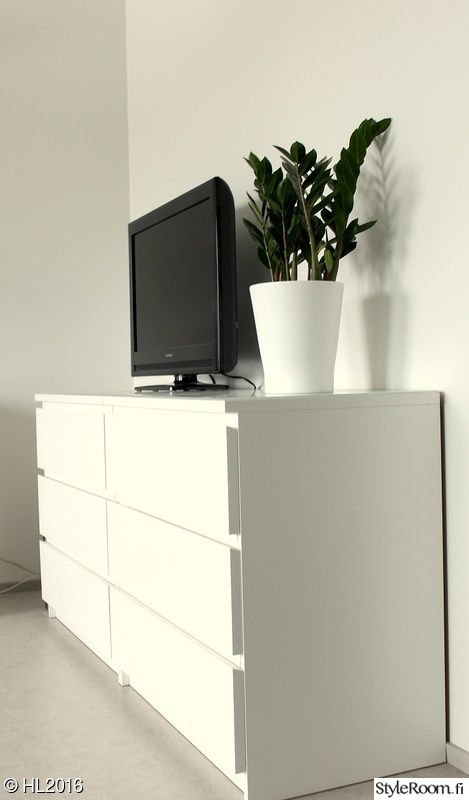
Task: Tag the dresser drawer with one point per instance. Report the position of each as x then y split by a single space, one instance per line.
192 581
199 693
179 466
75 522
70 445
79 599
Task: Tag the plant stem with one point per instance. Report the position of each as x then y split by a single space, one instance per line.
264 228
294 269
338 253
314 266
285 256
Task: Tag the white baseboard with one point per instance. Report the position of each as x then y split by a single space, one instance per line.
457 757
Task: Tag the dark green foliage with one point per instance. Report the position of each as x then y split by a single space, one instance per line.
276 227
309 179
343 188
303 215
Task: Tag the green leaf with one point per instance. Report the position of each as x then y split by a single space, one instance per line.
319 176
307 162
297 151
319 206
318 228
365 226
275 206
264 170
255 208
326 214
294 178
253 161
340 221
381 126
252 200
328 260
348 248
286 195
273 183
351 229
255 232
350 169
262 256
305 253
281 191
283 151
289 191
289 168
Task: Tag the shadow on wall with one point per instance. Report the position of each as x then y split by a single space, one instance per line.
381 253
249 271
18 493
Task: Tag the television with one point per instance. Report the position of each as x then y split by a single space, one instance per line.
183 305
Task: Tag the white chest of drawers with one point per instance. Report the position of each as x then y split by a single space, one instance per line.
265 571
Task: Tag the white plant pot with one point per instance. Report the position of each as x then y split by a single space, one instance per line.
297 325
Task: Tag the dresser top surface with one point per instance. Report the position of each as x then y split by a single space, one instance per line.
248 401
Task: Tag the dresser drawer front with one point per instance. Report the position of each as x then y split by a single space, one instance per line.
75 522
70 446
190 580
179 466
79 598
199 693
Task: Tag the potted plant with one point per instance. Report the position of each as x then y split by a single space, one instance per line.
301 225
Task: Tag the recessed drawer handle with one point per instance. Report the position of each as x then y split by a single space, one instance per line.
233 480
239 721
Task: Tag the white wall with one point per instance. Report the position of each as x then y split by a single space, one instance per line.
63 212
210 80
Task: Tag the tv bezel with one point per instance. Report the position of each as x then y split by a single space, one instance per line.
222 223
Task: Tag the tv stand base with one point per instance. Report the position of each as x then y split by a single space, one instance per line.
183 383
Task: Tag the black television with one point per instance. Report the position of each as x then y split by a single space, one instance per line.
183 308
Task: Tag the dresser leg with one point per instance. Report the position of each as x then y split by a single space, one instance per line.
123 678
51 612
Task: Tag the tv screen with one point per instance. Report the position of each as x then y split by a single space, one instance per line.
183 285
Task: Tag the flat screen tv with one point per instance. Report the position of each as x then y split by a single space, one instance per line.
183 288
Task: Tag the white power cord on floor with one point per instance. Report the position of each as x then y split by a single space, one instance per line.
31 577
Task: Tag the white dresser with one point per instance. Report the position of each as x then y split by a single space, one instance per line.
266 571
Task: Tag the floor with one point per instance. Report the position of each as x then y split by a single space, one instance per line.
63 715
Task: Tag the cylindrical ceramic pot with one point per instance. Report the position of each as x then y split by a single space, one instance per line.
297 325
